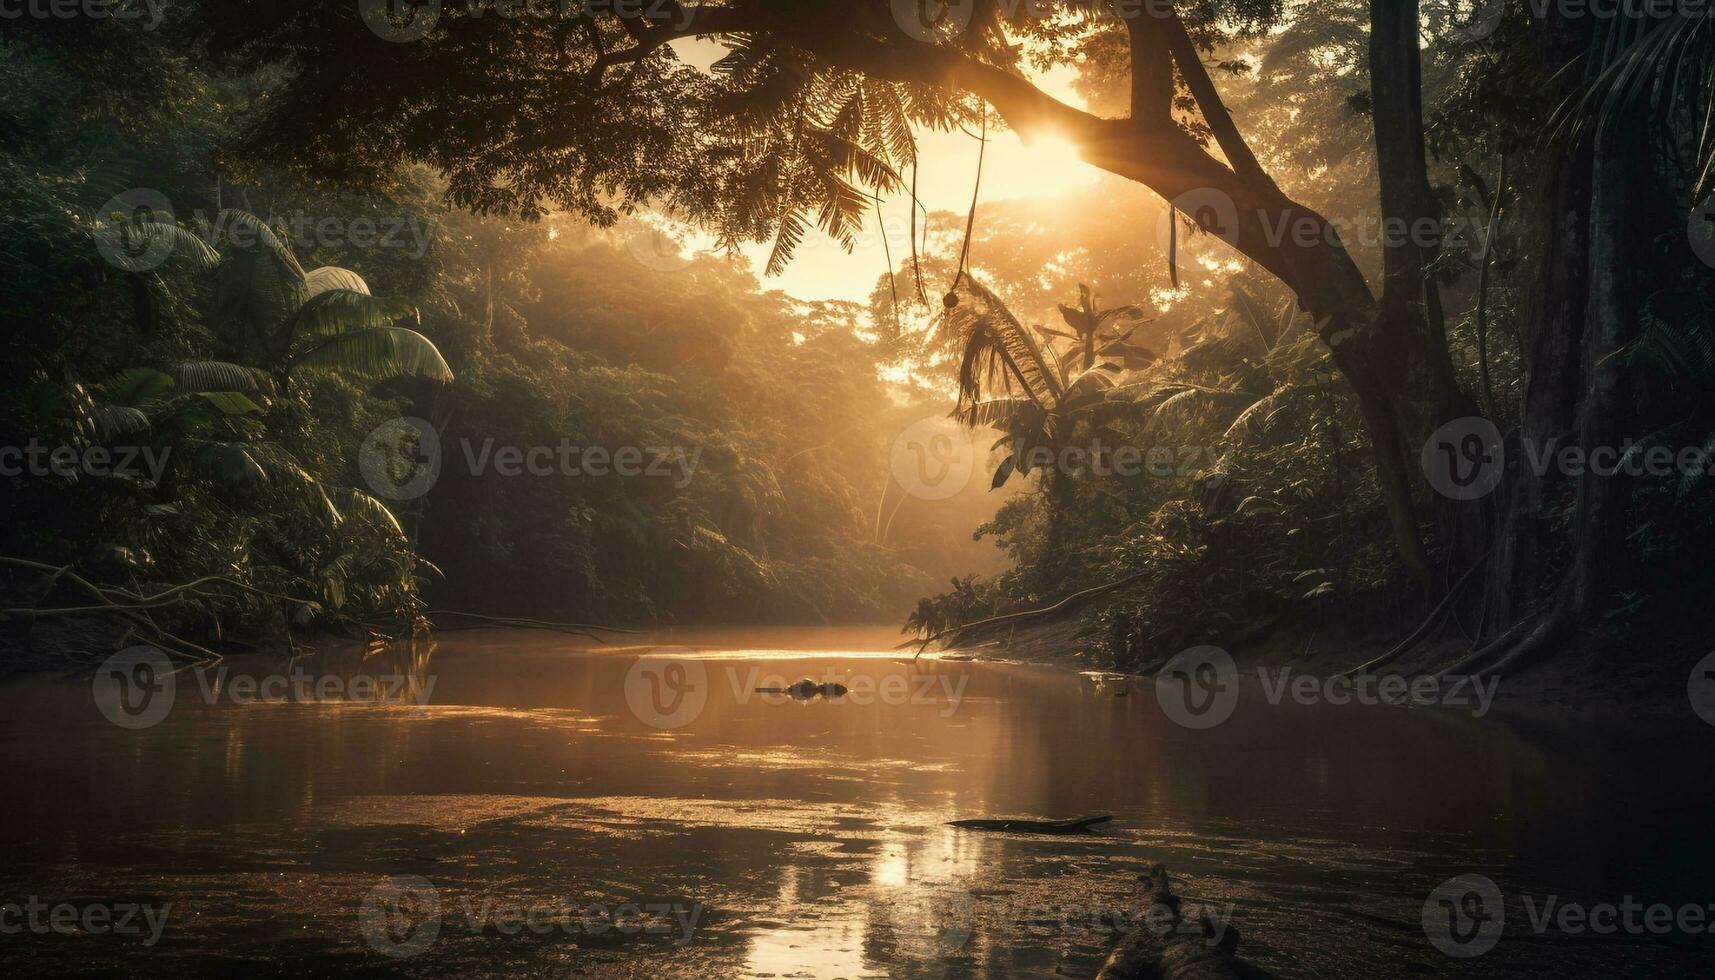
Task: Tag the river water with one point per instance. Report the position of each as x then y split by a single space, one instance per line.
527 804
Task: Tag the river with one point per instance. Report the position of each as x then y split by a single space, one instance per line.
528 804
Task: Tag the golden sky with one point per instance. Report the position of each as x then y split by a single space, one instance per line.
822 269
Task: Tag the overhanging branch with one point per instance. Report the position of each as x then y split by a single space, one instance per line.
1227 135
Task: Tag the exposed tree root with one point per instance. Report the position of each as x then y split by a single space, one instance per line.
132 605
1519 646
1426 628
953 631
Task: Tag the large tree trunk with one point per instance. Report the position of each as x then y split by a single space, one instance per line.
1582 308
1410 303
1409 312
1618 202
1552 331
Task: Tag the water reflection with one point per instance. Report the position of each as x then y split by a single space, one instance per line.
514 770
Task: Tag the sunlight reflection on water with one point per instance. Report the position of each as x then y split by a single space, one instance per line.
812 830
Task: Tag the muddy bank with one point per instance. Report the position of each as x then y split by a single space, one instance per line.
1599 678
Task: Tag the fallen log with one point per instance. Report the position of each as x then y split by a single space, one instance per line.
1163 945
1080 825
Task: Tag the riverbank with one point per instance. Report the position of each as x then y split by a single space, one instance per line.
1600 676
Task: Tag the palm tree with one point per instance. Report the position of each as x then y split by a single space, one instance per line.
280 321
214 417
287 321
1047 394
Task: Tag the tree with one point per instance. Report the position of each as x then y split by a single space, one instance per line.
286 320
1625 109
1047 396
812 110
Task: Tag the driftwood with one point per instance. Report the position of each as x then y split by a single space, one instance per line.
1164 946
1081 825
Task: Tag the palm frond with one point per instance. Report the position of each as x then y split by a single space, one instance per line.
1003 413
998 347
259 286
1087 387
333 277
221 376
1653 67
138 386
1694 475
338 311
230 402
1253 421
117 420
1677 338
1250 312
362 503
377 354
139 246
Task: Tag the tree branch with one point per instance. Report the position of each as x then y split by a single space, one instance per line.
1151 71
1167 160
1232 143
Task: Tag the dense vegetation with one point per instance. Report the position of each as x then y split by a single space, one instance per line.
1286 522
231 366
1290 380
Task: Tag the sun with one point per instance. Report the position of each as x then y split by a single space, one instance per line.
1044 165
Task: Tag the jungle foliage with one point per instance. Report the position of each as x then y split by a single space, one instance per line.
1292 380
249 339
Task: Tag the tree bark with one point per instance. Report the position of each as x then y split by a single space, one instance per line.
1552 328
1617 201
1410 303
1523 562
